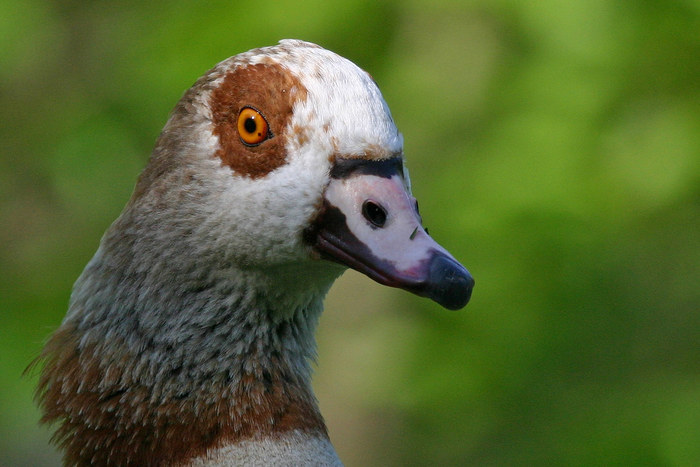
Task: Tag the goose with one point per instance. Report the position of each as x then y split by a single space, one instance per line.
189 335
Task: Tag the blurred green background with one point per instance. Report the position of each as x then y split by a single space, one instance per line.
554 147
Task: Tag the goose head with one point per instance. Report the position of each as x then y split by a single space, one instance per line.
288 155
191 329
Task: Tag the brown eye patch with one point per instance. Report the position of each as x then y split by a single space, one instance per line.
250 144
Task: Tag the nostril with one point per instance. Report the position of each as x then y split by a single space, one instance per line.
374 213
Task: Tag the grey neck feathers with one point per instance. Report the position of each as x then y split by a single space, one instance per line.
195 328
165 363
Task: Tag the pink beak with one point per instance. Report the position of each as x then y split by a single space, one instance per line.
370 222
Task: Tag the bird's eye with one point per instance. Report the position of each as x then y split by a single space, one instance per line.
374 213
252 127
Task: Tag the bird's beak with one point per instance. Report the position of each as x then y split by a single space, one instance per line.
370 222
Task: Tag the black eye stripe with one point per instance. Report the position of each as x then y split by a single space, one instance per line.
385 168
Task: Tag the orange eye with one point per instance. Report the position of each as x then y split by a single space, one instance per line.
252 127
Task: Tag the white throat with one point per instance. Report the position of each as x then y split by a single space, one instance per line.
290 450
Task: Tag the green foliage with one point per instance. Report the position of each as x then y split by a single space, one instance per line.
554 147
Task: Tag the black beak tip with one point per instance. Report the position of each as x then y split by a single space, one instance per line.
451 284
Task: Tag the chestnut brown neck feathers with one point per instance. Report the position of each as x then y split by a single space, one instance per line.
113 411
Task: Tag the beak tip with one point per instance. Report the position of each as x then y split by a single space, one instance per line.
451 284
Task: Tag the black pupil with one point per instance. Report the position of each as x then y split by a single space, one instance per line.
374 213
250 125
